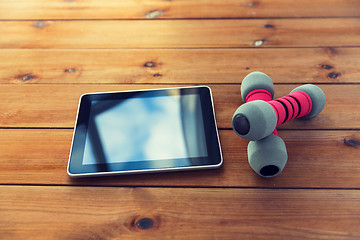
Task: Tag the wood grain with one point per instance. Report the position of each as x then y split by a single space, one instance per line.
317 159
83 34
51 52
55 105
151 213
131 9
177 66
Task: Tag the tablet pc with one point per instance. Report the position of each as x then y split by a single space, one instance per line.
145 131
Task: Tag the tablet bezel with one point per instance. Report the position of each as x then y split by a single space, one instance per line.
213 160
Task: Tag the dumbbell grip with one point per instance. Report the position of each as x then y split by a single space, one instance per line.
295 105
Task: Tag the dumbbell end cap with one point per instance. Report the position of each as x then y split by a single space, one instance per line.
254 120
241 124
269 171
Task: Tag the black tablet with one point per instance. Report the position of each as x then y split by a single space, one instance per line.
145 131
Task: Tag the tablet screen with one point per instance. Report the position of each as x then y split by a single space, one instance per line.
145 128
150 130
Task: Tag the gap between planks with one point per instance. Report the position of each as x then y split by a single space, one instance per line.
179 186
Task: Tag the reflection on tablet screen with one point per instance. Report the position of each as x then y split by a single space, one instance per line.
145 128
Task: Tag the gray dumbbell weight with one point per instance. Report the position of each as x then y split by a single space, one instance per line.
268 156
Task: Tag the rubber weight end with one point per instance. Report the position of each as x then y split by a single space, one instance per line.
256 80
317 98
268 156
254 120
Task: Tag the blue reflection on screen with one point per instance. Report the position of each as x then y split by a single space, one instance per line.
145 128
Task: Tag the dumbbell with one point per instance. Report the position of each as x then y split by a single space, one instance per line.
260 115
256 120
267 156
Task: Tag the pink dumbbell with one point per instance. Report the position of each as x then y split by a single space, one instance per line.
260 115
256 120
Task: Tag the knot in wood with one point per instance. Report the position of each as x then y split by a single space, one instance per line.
333 75
252 4
258 43
40 24
70 70
325 66
27 77
352 142
150 64
157 75
269 26
144 223
154 14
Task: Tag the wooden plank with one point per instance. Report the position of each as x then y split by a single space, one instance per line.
317 159
192 66
181 34
151 213
55 105
131 9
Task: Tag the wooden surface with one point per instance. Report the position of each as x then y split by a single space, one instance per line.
178 213
54 51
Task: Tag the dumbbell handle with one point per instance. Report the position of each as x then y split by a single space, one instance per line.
295 105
